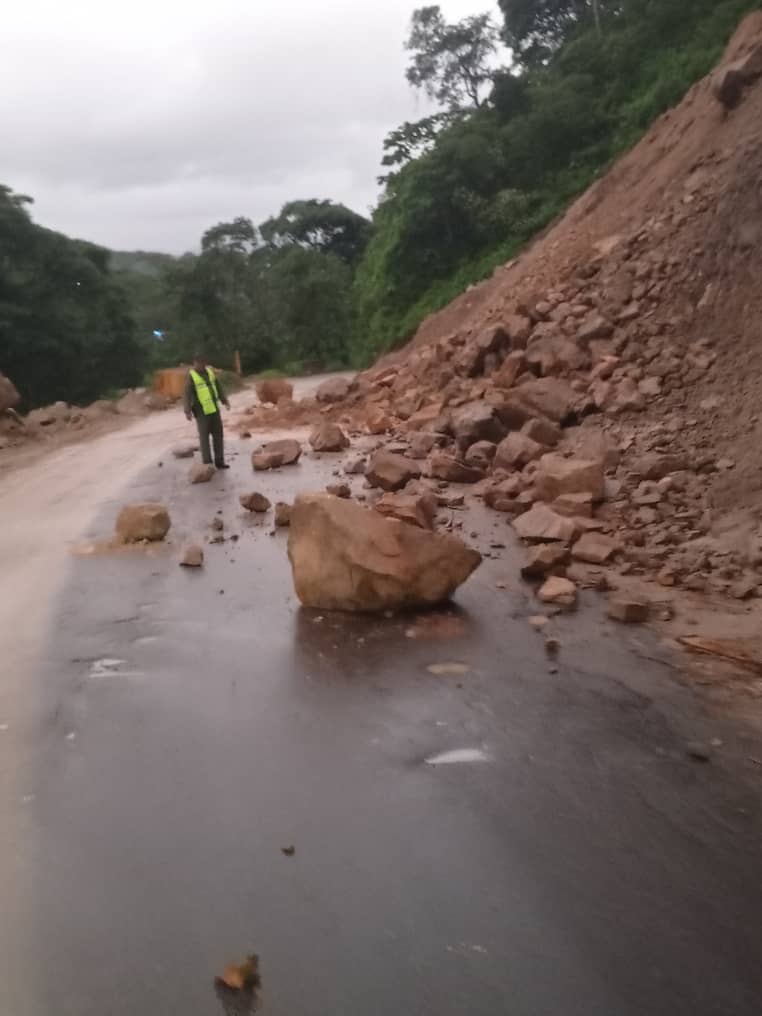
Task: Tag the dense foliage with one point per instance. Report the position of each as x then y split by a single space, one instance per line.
517 133
470 187
65 327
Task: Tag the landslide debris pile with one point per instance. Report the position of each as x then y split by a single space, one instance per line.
605 388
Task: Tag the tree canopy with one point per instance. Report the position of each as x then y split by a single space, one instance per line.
66 331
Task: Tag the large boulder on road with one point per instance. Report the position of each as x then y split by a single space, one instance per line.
335 389
328 437
137 522
347 557
273 389
9 396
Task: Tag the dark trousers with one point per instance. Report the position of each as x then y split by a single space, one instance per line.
211 427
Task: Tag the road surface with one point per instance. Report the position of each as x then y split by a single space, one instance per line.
165 733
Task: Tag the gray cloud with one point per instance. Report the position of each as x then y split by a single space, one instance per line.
142 130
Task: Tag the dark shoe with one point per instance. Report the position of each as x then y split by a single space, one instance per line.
224 466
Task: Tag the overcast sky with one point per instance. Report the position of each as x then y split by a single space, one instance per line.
139 125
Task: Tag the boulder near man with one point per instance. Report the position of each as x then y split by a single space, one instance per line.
203 395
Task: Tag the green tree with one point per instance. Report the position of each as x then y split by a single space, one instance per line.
66 331
324 226
451 62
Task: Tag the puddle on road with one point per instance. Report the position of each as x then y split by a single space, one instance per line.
458 756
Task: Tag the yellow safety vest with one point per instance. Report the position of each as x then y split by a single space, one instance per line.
206 393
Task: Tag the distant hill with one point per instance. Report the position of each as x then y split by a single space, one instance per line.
141 261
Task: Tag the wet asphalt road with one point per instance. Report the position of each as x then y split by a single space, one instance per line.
587 868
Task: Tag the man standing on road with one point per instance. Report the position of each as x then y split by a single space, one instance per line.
203 395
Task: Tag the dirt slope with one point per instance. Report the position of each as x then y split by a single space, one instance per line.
633 328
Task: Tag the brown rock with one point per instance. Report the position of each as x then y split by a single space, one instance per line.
282 515
629 611
447 467
555 354
557 475
476 421
378 422
513 365
355 467
481 454
543 431
503 496
273 389
328 437
421 444
518 328
516 450
339 490
551 397
596 326
200 473
274 454
594 548
416 509
255 503
335 389
137 522
193 557
558 590
390 471
346 557
544 558
574 506
541 523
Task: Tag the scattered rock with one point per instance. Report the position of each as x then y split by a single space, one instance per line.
516 450
328 437
137 522
543 559
558 590
480 455
355 467
541 523
255 502
447 467
391 472
274 454
538 621
378 422
627 610
339 490
193 557
282 514
421 444
557 475
594 548
347 557
200 473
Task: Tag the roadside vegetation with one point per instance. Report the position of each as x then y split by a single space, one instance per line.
527 113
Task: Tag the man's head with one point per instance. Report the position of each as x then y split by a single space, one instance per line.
199 360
